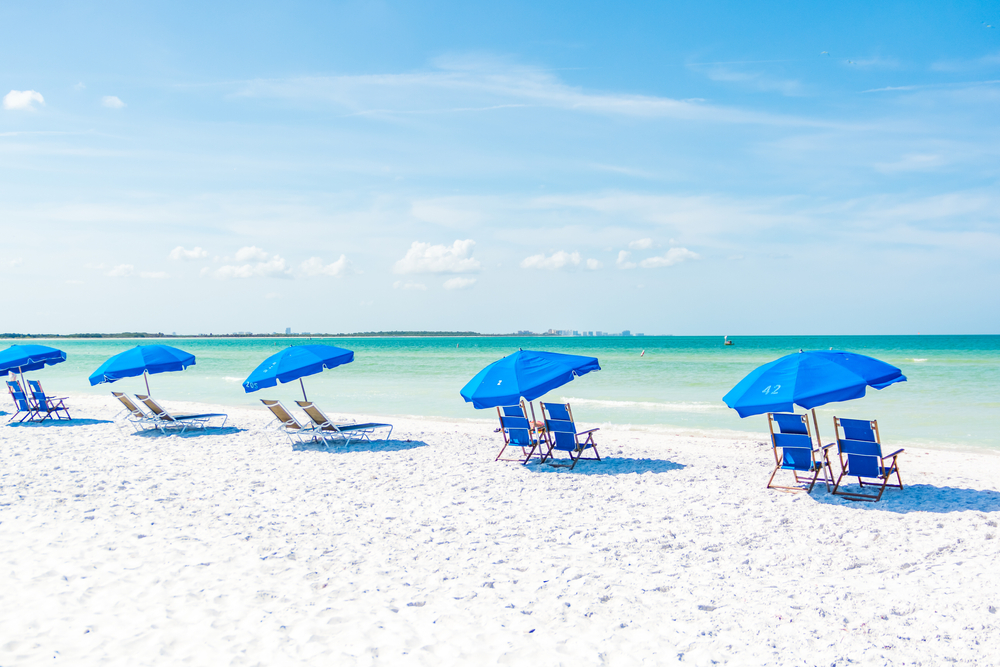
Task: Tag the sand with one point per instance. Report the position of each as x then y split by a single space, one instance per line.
229 547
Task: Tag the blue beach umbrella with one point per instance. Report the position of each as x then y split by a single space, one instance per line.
144 360
294 363
22 358
524 374
809 379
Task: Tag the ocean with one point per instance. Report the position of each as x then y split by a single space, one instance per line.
951 398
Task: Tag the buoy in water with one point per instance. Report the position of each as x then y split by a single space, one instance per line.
642 353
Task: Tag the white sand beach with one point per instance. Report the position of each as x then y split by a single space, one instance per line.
230 548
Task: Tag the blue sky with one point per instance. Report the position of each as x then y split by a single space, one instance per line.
691 168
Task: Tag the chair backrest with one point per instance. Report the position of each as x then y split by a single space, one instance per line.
793 437
559 425
516 425
282 415
861 445
314 413
20 400
41 400
134 409
155 408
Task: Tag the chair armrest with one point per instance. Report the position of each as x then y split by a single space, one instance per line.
826 447
894 454
588 431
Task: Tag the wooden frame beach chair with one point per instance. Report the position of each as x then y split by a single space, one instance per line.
798 453
561 434
134 414
47 404
165 420
862 448
21 402
518 431
296 432
341 433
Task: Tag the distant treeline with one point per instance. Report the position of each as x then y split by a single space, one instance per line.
143 334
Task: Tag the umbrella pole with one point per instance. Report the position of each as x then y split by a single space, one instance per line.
819 440
145 376
303 390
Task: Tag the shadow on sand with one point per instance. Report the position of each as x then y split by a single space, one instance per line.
61 422
606 466
920 498
191 433
360 446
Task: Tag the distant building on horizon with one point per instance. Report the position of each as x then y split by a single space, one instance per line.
288 331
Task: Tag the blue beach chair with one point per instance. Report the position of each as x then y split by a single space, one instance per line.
21 402
47 404
517 431
561 434
863 451
794 438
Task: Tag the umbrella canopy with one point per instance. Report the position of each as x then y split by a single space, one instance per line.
24 358
294 363
809 379
524 374
141 360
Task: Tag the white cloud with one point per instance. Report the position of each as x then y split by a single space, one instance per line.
80 86
641 244
624 261
314 266
594 265
427 258
399 284
182 253
121 271
112 102
22 100
128 270
558 260
250 253
672 256
459 282
266 266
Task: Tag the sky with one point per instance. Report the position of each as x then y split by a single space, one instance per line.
676 168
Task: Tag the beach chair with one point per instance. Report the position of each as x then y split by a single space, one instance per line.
797 453
135 415
296 432
21 402
341 433
165 420
518 431
561 434
47 404
860 451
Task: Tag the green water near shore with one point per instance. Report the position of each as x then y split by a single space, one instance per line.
951 398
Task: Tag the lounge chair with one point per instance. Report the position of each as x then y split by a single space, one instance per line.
21 402
182 421
135 415
342 433
297 433
561 434
47 404
518 432
862 448
798 454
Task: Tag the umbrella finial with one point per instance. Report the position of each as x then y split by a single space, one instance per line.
800 350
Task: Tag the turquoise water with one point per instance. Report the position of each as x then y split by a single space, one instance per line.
952 398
